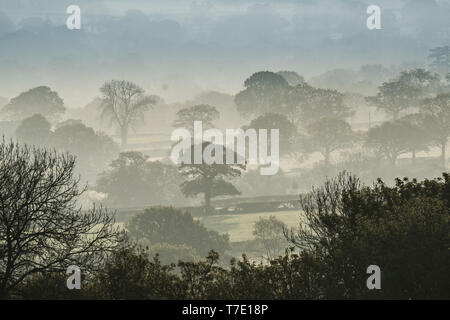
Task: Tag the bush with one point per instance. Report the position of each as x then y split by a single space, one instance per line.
173 226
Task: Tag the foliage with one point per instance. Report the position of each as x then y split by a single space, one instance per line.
129 274
35 130
306 104
403 229
202 112
92 149
346 227
133 180
287 131
175 227
327 135
404 92
264 92
209 179
391 138
437 120
40 100
270 233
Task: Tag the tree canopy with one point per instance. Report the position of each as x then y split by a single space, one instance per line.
39 100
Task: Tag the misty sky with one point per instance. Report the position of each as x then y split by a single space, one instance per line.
178 48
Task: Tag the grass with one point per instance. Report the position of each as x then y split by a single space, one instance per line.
240 226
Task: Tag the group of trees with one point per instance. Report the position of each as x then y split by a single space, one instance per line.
316 120
122 103
173 227
429 126
346 227
132 180
92 149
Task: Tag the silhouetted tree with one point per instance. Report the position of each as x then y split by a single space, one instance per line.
123 103
287 131
404 92
93 149
209 179
173 226
41 228
306 104
133 180
35 130
202 112
264 92
327 135
40 100
437 121
269 232
418 138
347 227
390 139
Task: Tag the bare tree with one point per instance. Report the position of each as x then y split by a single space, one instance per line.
42 229
124 102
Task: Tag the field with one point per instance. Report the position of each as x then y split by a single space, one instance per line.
240 226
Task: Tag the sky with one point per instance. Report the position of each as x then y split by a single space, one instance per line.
179 48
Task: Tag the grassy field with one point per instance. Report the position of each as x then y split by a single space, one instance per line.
240 226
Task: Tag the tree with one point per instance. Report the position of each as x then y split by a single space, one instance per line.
270 233
92 149
201 112
327 135
123 103
264 92
404 92
437 121
440 59
133 180
390 139
417 136
346 227
209 179
168 225
35 130
40 100
41 228
306 104
287 131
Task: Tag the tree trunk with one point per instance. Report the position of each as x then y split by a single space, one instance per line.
124 136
